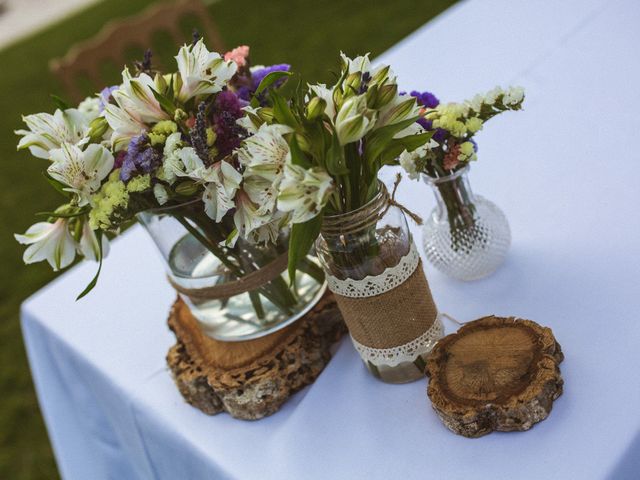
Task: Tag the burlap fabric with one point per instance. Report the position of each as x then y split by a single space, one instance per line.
393 318
249 282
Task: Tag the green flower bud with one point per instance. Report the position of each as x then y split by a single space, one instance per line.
338 97
160 83
352 82
303 143
266 114
386 94
315 108
186 188
380 77
97 128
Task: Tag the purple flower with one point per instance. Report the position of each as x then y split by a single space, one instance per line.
426 99
140 158
198 134
245 91
226 110
106 95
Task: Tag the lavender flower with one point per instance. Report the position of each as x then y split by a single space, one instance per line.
106 95
140 158
198 133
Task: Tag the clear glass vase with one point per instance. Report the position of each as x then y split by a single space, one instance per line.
189 242
466 236
375 273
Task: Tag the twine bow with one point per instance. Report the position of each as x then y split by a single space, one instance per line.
392 201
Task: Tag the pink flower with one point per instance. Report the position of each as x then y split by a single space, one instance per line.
451 158
238 55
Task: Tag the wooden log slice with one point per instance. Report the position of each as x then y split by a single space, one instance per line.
251 379
495 373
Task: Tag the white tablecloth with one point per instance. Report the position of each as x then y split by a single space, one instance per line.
565 171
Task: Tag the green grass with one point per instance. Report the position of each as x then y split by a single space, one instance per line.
307 34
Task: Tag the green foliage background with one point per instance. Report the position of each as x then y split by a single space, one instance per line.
307 34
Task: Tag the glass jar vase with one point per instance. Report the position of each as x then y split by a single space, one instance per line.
238 293
466 236
374 270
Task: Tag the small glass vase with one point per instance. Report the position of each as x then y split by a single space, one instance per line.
375 273
195 261
466 236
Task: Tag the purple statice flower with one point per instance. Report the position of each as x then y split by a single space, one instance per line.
139 158
426 99
106 94
245 91
198 133
227 108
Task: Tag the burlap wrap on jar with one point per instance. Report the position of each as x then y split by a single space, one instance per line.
391 317
374 271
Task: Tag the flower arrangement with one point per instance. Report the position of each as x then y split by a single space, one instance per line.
177 141
453 126
337 139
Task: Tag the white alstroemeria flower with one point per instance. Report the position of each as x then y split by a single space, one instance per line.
270 231
124 126
201 71
49 241
90 107
185 162
326 94
135 96
81 171
265 153
262 192
89 247
48 132
354 120
248 217
219 192
360 63
304 192
249 119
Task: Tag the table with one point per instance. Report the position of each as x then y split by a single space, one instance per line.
565 172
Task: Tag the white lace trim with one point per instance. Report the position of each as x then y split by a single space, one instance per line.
408 352
371 285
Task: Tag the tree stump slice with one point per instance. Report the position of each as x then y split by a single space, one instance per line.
495 373
251 379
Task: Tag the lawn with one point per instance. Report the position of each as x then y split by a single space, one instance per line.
307 34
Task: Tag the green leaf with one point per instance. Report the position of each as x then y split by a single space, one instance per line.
297 155
60 187
59 102
335 160
166 104
94 281
300 242
378 140
281 111
266 82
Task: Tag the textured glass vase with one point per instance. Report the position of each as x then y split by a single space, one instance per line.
187 241
466 236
